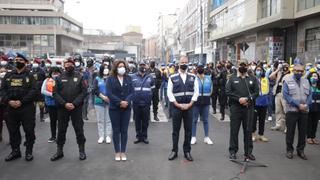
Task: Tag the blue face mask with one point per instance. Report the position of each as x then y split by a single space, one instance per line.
313 80
258 73
297 76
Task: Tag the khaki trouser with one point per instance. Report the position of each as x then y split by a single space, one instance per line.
280 104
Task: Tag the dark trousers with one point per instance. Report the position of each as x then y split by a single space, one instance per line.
64 117
260 113
292 119
177 117
3 117
24 116
155 100
141 118
222 101
53 114
120 119
85 107
240 114
214 98
313 119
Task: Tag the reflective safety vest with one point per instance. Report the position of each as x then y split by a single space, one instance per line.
142 89
204 90
183 92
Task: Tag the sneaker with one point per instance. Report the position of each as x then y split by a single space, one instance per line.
100 140
51 140
270 118
263 138
193 140
123 157
254 137
108 140
207 140
285 130
117 157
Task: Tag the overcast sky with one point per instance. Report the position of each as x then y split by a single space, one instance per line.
115 15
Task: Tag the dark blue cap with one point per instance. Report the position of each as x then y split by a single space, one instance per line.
20 55
200 65
297 61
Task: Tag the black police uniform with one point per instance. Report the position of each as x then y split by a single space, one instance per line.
236 88
70 88
156 74
39 76
20 87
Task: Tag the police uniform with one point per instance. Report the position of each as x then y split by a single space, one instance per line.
20 87
39 76
236 88
141 99
156 74
70 88
182 88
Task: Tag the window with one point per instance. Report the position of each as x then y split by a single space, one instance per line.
269 7
313 40
306 4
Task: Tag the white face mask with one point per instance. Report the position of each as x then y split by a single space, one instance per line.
48 65
59 66
318 66
35 65
105 72
55 76
121 71
77 63
2 74
4 63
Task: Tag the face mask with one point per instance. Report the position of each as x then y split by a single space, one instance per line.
142 69
4 63
54 76
200 71
297 76
20 65
77 64
35 65
152 65
59 66
48 65
121 71
253 67
2 74
285 69
258 73
243 69
228 66
313 80
105 71
265 66
183 67
318 66
69 69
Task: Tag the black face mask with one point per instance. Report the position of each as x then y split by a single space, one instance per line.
285 69
20 65
243 69
228 66
142 69
70 69
152 65
184 67
200 71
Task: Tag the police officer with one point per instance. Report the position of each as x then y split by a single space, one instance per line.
242 90
298 96
143 84
89 75
182 92
156 74
69 93
19 91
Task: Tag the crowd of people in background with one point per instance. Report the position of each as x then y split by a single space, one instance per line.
188 91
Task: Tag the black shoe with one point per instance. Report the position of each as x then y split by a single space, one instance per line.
51 140
146 141
250 157
156 118
302 155
57 156
28 157
214 111
15 154
222 117
188 156
137 141
82 153
289 155
173 156
232 156
86 118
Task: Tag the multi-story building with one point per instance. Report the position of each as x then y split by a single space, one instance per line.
38 27
151 50
265 29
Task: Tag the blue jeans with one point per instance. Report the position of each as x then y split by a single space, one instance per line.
203 111
162 90
120 122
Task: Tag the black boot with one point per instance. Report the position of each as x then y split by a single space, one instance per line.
155 117
58 155
29 156
41 114
214 111
82 153
15 154
222 117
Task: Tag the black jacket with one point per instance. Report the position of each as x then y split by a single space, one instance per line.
156 74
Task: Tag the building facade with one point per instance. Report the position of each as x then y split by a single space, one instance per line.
38 27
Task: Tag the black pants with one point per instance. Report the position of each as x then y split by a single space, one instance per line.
155 100
260 113
177 117
3 117
214 98
141 118
77 123
85 107
292 119
53 114
244 115
313 119
222 101
24 116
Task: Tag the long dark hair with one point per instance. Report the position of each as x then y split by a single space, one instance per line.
114 69
309 77
101 71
